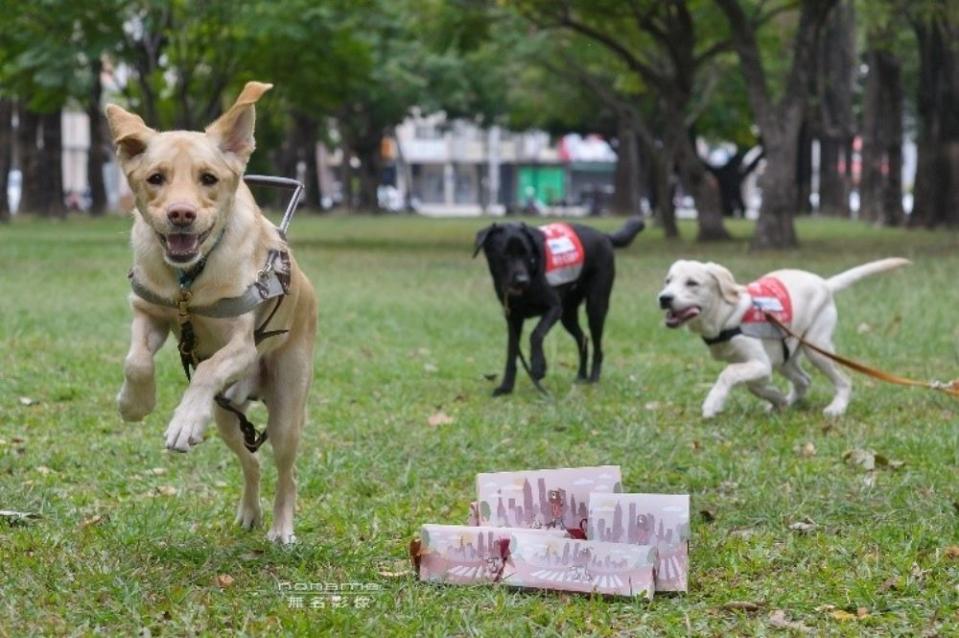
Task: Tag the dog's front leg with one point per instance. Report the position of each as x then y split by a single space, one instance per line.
514 328
229 363
537 360
752 372
137 396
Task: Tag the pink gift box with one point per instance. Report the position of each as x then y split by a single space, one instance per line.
540 559
463 555
538 499
661 520
569 564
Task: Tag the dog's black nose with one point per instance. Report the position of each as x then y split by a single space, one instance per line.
181 215
665 301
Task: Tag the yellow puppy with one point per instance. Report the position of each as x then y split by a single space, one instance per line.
210 267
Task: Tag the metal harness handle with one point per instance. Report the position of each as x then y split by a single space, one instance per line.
280 182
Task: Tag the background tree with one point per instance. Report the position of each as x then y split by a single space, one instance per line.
936 25
779 117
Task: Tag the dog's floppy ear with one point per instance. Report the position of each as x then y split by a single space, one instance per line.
533 240
728 287
481 238
130 133
233 131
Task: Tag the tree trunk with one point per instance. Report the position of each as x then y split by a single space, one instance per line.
661 185
881 192
833 190
937 177
628 172
370 167
775 228
33 196
52 152
96 156
836 82
779 121
306 128
6 155
804 169
704 189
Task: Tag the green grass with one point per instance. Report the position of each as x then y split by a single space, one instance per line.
409 325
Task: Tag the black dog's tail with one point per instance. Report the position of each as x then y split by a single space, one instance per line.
624 236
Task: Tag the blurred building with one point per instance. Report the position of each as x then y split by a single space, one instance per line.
458 167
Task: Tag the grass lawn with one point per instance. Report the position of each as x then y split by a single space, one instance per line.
132 538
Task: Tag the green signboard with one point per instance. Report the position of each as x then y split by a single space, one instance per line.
546 183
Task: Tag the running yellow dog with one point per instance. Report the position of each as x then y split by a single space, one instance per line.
210 267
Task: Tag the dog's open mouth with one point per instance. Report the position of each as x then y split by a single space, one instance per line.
183 247
676 318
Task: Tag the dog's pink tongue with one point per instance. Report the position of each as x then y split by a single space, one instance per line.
181 243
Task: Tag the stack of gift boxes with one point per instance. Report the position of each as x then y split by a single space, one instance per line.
570 529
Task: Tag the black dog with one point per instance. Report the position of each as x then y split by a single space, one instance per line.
550 274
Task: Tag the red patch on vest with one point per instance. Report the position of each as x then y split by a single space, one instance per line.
769 295
564 254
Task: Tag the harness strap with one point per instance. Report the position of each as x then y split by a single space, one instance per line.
723 336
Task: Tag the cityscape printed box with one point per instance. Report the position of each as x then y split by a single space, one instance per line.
539 559
661 520
464 555
542 499
568 564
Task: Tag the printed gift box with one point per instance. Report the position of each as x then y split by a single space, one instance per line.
463 555
569 564
661 520
542 499
540 559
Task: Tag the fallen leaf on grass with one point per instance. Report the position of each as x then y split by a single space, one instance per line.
890 583
842 615
803 526
15 518
869 460
431 368
166 490
396 569
741 605
652 406
93 520
778 620
807 450
157 471
866 459
489 377
952 551
27 401
438 419
43 470
863 328
708 515
224 580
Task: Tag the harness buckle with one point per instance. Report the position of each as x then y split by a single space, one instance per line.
183 306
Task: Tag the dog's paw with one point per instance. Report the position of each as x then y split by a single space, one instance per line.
135 404
834 411
186 430
711 409
281 534
248 515
501 390
537 368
